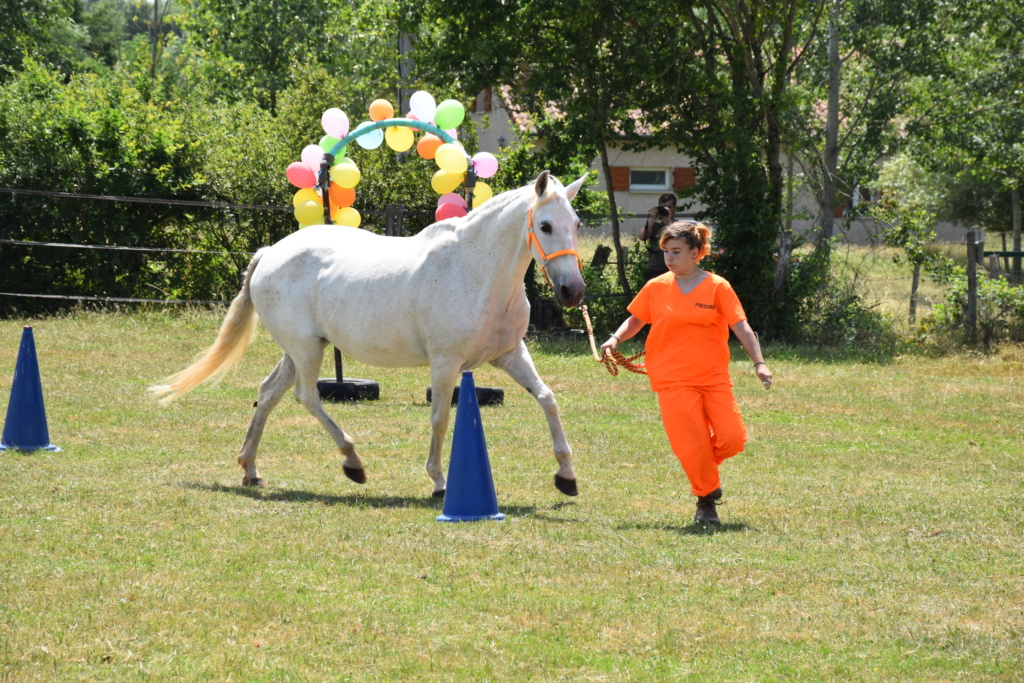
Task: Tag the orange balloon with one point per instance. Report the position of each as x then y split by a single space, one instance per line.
380 110
341 196
428 144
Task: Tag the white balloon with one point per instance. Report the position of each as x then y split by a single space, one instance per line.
422 104
311 156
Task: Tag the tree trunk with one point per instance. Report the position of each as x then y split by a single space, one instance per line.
915 282
1015 204
786 237
156 37
620 254
830 159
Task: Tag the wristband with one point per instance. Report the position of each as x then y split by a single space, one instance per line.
616 338
760 363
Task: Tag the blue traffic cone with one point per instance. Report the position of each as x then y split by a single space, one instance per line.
470 494
25 426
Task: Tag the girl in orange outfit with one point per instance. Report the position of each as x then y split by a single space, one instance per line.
690 312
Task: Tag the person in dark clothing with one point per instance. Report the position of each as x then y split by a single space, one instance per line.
657 218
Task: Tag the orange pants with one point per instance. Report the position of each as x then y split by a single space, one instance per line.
704 427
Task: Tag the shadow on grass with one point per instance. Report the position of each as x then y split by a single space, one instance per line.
271 495
354 500
691 529
532 512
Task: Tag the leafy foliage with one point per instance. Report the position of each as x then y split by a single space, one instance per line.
833 314
250 49
1000 312
93 135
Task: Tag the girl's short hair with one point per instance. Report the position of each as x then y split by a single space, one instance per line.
696 235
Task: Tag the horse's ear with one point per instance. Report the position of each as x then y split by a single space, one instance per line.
541 186
572 190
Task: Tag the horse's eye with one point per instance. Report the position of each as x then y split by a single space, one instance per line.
545 227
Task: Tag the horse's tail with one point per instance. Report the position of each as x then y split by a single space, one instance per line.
212 364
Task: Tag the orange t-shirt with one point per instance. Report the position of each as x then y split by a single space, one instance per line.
688 344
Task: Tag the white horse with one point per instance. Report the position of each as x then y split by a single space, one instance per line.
451 297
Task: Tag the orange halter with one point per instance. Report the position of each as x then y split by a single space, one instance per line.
533 242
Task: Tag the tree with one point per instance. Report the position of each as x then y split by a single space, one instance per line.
578 66
250 48
44 30
729 76
850 91
908 211
979 136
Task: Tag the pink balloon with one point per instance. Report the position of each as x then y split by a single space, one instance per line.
412 116
335 122
485 164
311 156
454 132
449 211
451 198
300 175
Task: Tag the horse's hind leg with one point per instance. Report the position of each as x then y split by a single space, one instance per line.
518 364
271 390
307 373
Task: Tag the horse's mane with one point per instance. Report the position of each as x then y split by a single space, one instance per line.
491 209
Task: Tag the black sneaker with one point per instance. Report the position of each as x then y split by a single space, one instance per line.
706 513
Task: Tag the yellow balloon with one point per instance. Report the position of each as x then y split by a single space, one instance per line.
348 216
399 138
452 158
306 194
481 192
444 182
345 174
310 212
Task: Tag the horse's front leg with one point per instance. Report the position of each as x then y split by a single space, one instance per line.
443 377
518 364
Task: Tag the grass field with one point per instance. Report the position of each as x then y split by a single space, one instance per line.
872 528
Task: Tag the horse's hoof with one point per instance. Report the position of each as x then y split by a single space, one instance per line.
438 494
356 474
566 486
255 481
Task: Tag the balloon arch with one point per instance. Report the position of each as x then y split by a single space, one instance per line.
327 178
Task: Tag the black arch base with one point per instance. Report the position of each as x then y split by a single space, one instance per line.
485 396
350 389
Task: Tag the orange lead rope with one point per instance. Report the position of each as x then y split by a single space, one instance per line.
615 358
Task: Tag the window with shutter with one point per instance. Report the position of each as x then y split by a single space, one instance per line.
648 179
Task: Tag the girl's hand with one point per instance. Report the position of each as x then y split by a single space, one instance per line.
764 374
609 346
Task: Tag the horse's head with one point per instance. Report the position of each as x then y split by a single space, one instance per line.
552 237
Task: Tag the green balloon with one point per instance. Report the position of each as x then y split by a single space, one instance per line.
328 142
450 114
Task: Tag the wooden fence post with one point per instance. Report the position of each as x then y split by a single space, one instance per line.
972 284
393 215
389 220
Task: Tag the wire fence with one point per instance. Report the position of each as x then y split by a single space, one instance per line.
392 217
